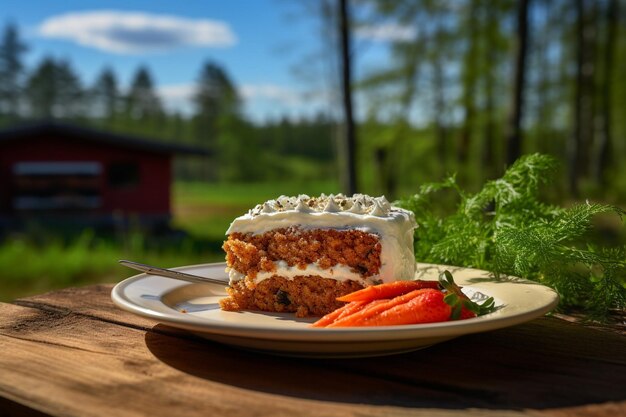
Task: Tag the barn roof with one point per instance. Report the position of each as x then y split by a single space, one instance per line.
71 131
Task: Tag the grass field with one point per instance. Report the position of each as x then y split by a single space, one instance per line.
31 264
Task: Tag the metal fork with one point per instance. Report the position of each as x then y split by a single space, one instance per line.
169 273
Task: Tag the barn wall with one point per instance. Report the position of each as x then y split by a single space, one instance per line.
150 195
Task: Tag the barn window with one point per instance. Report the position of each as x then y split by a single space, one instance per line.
123 174
42 185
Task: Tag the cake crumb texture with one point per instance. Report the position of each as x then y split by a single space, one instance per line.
250 254
308 295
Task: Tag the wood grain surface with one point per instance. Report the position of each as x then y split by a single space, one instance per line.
73 353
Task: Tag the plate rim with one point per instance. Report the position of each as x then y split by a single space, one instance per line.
331 335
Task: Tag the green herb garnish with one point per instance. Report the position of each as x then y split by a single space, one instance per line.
506 229
456 299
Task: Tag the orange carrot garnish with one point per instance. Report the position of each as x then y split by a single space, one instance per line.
426 307
373 308
388 290
346 310
403 304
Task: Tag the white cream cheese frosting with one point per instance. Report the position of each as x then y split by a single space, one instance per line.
394 227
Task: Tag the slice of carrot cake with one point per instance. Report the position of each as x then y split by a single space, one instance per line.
298 254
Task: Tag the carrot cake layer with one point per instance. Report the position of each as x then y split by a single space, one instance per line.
310 250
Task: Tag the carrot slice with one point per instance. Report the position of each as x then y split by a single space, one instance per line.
388 290
338 313
374 308
345 311
426 307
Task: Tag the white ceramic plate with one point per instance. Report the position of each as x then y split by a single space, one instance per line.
195 307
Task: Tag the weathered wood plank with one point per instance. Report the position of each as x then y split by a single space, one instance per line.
73 353
72 365
93 301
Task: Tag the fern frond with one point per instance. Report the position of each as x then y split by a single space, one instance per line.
506 229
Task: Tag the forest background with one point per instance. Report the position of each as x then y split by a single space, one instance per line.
479 84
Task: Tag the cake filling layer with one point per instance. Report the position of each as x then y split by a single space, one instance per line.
338 272
356 251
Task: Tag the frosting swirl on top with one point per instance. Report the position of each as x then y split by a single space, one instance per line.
333 203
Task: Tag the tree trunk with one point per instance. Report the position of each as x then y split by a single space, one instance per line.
439 85
388 183
514 137
589 102
574 144
544 105
469 86
441 134
488 154
605 145
349 179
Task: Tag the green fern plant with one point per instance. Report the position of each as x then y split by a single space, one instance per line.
505 228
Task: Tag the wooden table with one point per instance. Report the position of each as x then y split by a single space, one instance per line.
73 353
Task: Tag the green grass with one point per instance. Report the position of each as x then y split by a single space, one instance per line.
32 267
33 264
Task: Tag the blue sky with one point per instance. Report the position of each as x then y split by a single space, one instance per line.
259 42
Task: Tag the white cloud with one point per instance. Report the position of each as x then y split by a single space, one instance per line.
387 32
136 32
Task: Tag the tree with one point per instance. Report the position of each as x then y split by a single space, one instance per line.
514 136
603 159
584 104
492 23
142 102
11 71
469 80
41 93
218 124
350 185
441 40
215 97
54 90
105 99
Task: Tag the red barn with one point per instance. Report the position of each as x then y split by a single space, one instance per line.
59 172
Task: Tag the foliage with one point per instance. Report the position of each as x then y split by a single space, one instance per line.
53 90
11 70
105 96
142 101
505 228
452 76
32 266
216 97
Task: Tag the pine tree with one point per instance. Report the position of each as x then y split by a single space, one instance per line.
215 96
54 91
142 102
105 99
217 123
11 72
